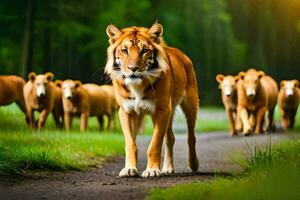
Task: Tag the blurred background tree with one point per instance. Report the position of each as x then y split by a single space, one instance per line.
220 36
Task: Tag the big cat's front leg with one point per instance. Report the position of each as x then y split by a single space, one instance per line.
161 120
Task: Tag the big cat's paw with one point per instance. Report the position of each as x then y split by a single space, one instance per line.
151 173
129 172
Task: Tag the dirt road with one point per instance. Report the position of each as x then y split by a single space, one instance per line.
215 152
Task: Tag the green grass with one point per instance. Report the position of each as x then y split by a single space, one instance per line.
55 150
211 126
23 149
285 153
270 173
210 119
274 185
222 124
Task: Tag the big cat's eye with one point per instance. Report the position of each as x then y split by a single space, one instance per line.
125 51
144 51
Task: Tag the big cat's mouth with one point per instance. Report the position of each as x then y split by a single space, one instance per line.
135 76
133 79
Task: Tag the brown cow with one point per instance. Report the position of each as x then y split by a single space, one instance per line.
11 90
228 86
87 100
42 95
257 96
288 101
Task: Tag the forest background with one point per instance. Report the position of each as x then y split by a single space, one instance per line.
220 36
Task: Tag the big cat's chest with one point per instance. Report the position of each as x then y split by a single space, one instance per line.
136 99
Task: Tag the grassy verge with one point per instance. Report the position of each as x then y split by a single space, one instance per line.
55 150
23 149
210 119
214 119
212 126
271 173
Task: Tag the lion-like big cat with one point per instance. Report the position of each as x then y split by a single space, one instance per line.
151 78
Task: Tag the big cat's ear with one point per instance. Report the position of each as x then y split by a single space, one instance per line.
156 31
219 78
261 74
282 83
31 76
113 33
49 76
242 75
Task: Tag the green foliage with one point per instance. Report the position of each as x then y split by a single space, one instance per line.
220 36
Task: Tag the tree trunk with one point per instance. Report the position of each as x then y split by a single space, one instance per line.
26 57
47 37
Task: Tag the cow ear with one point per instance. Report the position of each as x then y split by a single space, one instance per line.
77 83
296 83
282 83
49 76
156 31
242 75
261 74
58 83
31 76
237 78
113 33
219 78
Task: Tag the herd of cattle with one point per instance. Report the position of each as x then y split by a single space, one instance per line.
64 99
250 99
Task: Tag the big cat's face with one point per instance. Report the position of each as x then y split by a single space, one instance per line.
135 60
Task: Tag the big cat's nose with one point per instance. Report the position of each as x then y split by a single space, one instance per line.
133 68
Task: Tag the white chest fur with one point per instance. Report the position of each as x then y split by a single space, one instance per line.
138 106
137 103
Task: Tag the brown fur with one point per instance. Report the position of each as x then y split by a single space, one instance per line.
45 104
109 89
288 105
88 100
254 108
58 110
228 86
11 90
150 77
